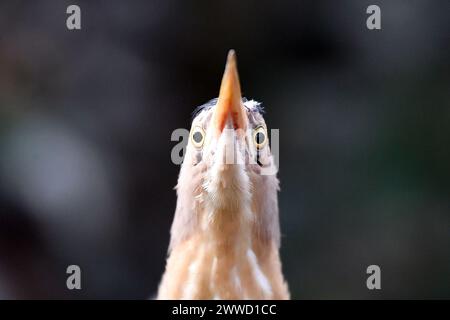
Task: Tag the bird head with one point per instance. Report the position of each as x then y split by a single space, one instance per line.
222 178
225 234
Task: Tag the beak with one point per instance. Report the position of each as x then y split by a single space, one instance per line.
230 103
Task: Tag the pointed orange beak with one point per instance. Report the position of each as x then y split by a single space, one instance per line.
230 103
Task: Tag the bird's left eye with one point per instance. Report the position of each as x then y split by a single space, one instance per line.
260 137
198 137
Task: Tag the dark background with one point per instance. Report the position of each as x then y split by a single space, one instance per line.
86 118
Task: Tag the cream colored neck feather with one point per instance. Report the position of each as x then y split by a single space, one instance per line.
222 260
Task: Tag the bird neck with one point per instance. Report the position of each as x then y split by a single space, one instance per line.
228 232
222 260
222 250
226 213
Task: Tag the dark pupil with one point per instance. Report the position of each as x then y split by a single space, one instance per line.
197 137
260 137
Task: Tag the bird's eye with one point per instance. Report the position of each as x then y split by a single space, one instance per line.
198 137
260 137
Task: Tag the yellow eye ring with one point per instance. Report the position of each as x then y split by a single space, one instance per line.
197 136
260 138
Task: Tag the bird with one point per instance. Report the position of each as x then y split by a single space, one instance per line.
225 235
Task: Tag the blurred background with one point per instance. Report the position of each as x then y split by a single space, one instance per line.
86 119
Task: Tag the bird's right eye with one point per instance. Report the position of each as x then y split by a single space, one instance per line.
198 137
260 137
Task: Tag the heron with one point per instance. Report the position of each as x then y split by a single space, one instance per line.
225 236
